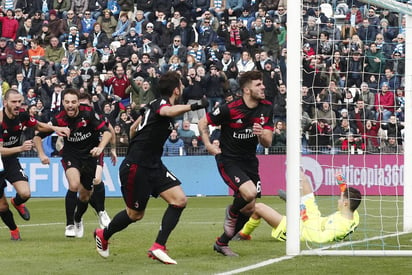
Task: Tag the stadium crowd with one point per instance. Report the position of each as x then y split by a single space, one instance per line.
353 64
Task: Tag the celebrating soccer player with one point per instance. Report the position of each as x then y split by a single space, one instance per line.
245 122
142 173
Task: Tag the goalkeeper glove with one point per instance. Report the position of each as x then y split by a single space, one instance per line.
203 104
341 181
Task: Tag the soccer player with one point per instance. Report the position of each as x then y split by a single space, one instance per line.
88 137
245 122
314 227
97 199
14 120
143 174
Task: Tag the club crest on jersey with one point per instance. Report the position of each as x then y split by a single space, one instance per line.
216 112
84 123
237 180
96 116
20 126
136 204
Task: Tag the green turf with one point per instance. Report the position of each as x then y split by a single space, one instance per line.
45 250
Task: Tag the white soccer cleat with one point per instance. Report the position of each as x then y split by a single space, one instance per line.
79 229
104 219
70 232
102 245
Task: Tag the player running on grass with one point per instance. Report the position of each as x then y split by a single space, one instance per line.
88 137
143 174
12 125
314 227
245 122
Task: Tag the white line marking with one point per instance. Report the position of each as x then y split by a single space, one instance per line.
283 258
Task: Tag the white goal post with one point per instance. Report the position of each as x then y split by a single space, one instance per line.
293 158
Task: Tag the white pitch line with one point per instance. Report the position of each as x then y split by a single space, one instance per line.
284 258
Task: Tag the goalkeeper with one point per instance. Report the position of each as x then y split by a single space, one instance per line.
314 227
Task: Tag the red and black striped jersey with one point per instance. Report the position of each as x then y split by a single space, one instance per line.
11 129
236 119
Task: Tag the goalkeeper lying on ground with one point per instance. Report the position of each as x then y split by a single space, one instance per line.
314 227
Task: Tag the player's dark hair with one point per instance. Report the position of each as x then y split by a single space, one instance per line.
71 91
85 96
168 82
248 77
354 197
10 91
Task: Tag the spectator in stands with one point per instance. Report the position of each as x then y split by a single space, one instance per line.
391 146
18 51
333 31
325 112
352 144
73 56
9 26
54 53
108 23
333 95
96 7
233 36
122 28
245 63
319 136
383 46
122 138
389 33
146 6
393 128
123 52
384 103
35 51
233 8
392 80
370 135
151 48
216 83
206 34
373 19
195 148
79 7
279 104
341 131
355 70
367 96
185 133
367 32
354 16
119 84
186 32
400 104
400 44
392 18
176 48
397 65
308 101
311 32
10 70
143 94
125 121
193 92
279 137
375 60
270 41
174 145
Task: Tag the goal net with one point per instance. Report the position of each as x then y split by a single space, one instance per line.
355 113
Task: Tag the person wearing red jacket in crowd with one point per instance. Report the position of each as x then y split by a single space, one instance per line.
384 102
18 51
119 83
9 25
354 16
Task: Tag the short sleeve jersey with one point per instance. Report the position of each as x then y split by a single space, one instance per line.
146 147
237 139
11 129
85 131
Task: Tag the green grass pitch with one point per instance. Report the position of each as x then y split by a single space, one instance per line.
45 250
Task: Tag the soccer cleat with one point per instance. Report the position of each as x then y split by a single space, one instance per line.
15 235
79 229
22 209
70 231
241 237
102 245
224 250
104 219
282 194
158 252
229 224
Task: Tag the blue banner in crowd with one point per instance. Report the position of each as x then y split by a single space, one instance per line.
198 174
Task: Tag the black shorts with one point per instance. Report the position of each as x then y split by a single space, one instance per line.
86 167
13 172
237 172
139 183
